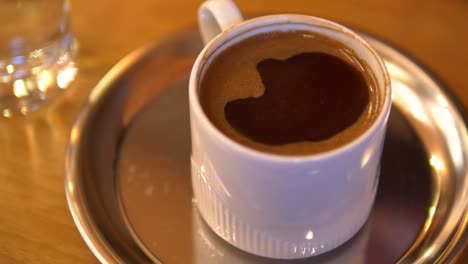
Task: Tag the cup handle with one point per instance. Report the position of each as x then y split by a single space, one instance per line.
215 16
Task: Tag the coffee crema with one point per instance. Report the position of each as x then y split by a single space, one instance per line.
292 93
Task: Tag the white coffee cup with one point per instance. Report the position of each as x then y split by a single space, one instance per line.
268 204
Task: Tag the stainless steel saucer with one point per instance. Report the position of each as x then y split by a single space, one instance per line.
128 178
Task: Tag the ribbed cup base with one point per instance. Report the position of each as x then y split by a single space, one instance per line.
252 239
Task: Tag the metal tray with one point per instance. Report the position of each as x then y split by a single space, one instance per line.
128 176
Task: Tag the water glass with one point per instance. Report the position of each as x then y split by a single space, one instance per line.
37 52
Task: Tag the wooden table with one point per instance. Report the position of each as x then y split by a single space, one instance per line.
35 223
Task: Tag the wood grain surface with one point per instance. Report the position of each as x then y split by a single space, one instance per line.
35 223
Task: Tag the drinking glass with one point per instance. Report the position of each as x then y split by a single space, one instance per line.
37 53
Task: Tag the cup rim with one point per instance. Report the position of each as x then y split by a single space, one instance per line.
281 19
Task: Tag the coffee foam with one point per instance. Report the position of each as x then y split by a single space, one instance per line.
235 76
